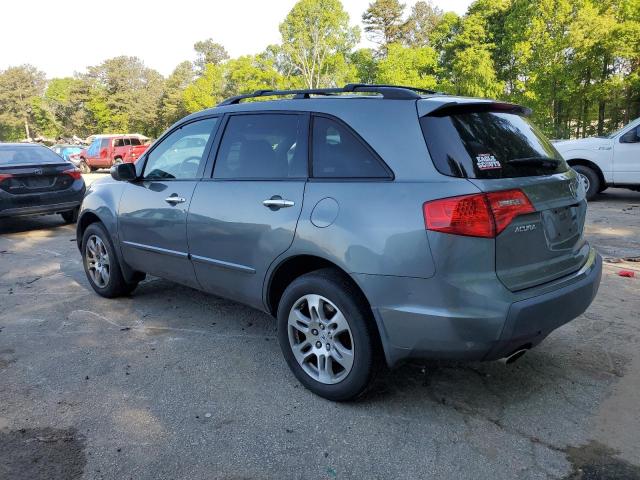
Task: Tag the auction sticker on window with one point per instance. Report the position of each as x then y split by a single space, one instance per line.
486 161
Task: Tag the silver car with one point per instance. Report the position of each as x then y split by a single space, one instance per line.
378 224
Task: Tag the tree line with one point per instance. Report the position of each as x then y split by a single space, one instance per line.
574 62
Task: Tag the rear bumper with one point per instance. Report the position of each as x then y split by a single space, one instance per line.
530 321
40 209
42 203
477 319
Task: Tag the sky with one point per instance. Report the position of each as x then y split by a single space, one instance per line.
61 37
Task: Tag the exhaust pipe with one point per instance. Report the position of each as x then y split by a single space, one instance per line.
514 356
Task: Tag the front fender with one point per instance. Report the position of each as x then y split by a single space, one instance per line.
101 202
601 158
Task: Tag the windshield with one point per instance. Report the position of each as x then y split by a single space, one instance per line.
487 144
620 130
27 155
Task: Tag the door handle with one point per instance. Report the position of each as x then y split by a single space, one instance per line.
174 199
276 202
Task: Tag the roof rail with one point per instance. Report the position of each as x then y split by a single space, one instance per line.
389 92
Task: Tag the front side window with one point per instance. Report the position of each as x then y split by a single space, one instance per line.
134 141
180 155
632 136
262 146
338 153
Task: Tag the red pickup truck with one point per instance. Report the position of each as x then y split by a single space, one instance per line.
108 150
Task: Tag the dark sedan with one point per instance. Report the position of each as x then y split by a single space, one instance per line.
36 181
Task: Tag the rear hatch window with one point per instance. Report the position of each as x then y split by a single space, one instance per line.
487 141
15 155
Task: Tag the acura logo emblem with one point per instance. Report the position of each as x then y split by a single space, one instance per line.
37 171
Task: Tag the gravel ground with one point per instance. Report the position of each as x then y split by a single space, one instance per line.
172 383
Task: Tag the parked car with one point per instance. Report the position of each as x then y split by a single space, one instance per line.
36 181
71 153
602 162
108 150
376 228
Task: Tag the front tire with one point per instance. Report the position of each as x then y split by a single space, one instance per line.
101 264
84 168
589 179
327 335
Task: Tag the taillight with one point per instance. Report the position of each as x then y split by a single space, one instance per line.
73 173
479 215
4 176
507 205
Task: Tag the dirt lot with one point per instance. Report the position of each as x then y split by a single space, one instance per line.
172 383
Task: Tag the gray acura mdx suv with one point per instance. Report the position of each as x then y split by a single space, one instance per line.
377 223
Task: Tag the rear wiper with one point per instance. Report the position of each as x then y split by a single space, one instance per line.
544 162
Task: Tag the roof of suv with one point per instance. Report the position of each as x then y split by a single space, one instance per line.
325 99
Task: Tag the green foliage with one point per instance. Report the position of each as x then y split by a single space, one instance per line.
408 66
575 62
250 73
365 65
206 90
19 89
172 103
316 38
207 52
383 22
424 19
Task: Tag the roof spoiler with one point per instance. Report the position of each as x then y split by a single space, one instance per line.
457 108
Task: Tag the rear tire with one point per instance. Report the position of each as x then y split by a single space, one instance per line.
101 264
71 216
338 355
117 161
589 179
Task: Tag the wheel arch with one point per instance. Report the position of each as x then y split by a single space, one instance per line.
86 219
290 268
593 166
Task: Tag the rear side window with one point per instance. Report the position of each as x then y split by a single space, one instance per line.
262 146
338 153
488 144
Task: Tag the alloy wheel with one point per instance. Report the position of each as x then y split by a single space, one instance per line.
320 339
98 262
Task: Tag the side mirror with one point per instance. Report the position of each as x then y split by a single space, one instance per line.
124 172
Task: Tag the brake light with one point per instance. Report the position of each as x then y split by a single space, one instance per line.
479 215
73 173
4 176
507 205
